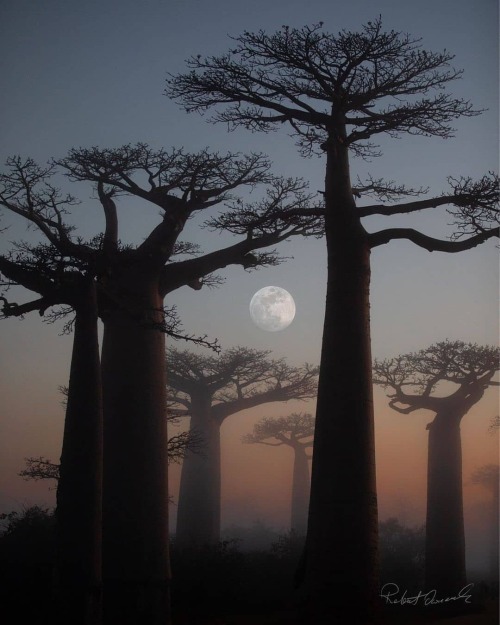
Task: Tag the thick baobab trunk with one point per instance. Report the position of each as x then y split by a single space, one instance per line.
79 491
341 566
198 513
300 490
136 569
445 540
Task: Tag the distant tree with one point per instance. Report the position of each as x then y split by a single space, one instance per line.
296 431
447 378
211 389
488 476
338 93
494 425
128 286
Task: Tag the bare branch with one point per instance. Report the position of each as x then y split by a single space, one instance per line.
180 444
40 469
430 243
384 190
25 190
475 206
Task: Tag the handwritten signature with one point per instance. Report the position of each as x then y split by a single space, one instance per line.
390 593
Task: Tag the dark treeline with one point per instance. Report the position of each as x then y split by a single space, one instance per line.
251 570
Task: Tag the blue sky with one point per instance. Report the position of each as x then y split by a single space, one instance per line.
81 74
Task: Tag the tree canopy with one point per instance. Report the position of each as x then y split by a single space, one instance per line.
239 378
295 75
294 429
348 88
179 183
414 378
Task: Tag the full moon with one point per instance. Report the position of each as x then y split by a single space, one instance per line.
272 308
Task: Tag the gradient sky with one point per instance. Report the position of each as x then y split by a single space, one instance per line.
83 74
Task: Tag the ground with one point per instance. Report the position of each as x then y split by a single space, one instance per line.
490 616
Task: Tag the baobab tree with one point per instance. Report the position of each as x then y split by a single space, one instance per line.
296 431
418 381
337 93
488 476
130 284
59 280
211 389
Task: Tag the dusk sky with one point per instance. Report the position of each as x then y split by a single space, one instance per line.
93 74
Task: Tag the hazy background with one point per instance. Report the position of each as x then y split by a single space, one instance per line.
83 74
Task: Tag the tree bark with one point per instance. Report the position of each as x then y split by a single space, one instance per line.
300 490
445 538
341 569
494 546
79 491
136 570
198 513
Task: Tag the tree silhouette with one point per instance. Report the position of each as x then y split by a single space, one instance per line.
494 425
39 468
488 476
337 93
128 286
59 280
295 431
447 378
212 389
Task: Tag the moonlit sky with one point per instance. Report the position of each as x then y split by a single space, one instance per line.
84 74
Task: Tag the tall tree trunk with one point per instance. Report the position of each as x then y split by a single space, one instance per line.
136 570
300 490
79 491
198 512
341 567
494 545
445 538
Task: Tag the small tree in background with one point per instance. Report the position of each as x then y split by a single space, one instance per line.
295 431
211 389
494 425
447 378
